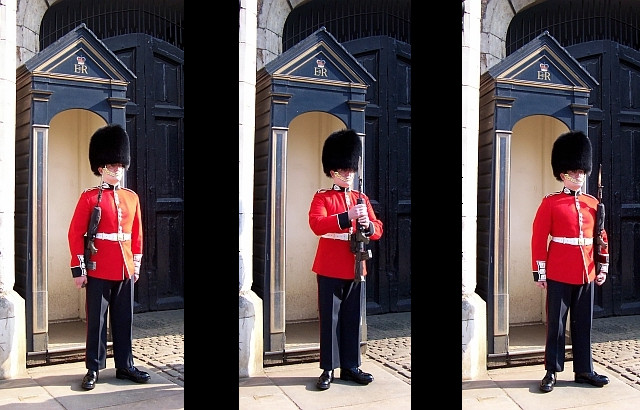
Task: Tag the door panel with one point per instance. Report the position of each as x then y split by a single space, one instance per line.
614 129
388 169
625 79
155 123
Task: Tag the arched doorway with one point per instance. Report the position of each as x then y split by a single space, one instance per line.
531 178
305 176
68 174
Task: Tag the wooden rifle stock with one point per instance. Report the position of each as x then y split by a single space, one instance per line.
358 243
92 230
600 215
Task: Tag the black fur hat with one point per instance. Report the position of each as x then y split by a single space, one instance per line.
571 150
341 150
109 145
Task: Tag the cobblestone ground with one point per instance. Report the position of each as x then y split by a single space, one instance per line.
158 341
615 345
389 342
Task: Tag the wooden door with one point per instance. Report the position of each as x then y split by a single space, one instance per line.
388 169
155 123
614 129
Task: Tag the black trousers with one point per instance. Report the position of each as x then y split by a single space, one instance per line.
563 298
116 297
339 312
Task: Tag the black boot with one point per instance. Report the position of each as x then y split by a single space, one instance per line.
133 374
548 381
356 375
592 378
89 380
325 379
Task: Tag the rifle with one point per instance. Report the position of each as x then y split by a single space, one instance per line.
89 246
358 243
600 213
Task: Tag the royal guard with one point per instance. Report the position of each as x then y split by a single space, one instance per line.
563 260
105 241
336 215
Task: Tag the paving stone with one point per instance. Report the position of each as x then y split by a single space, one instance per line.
158 342
389 343
616 345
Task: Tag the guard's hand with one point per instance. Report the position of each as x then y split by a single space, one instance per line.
358 211
542 285
80 281
601 278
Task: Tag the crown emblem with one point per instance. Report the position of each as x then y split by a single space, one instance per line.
320 63
81 60
544 67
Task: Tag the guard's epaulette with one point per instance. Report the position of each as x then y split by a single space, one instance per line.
91 188
319 191
552 194
590 196
128 189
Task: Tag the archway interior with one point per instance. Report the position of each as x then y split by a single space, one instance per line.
68 174
531 178
306 136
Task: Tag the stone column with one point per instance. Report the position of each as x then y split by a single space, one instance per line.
250 305
13 339
474 317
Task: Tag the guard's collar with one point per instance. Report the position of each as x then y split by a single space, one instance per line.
337 187
572 193
106 185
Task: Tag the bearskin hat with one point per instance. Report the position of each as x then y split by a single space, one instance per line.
341 150
571 150
109 145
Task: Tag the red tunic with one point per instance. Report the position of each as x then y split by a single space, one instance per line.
114 259
328 210
558 216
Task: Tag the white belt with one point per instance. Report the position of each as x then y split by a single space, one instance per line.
339 236
114 236
572 241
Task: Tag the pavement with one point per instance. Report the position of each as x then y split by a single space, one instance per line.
616 354
388 359
158 348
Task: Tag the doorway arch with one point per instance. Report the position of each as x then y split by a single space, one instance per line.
531 179
304 176
540 81
68 174
315 88
64 104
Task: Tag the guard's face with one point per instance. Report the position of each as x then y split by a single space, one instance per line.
343 177
573 179
112 173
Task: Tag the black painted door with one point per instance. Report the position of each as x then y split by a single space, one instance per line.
388 169
614 129
155 123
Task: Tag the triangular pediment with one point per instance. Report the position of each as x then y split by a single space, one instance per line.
543 62
319 58
79 56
